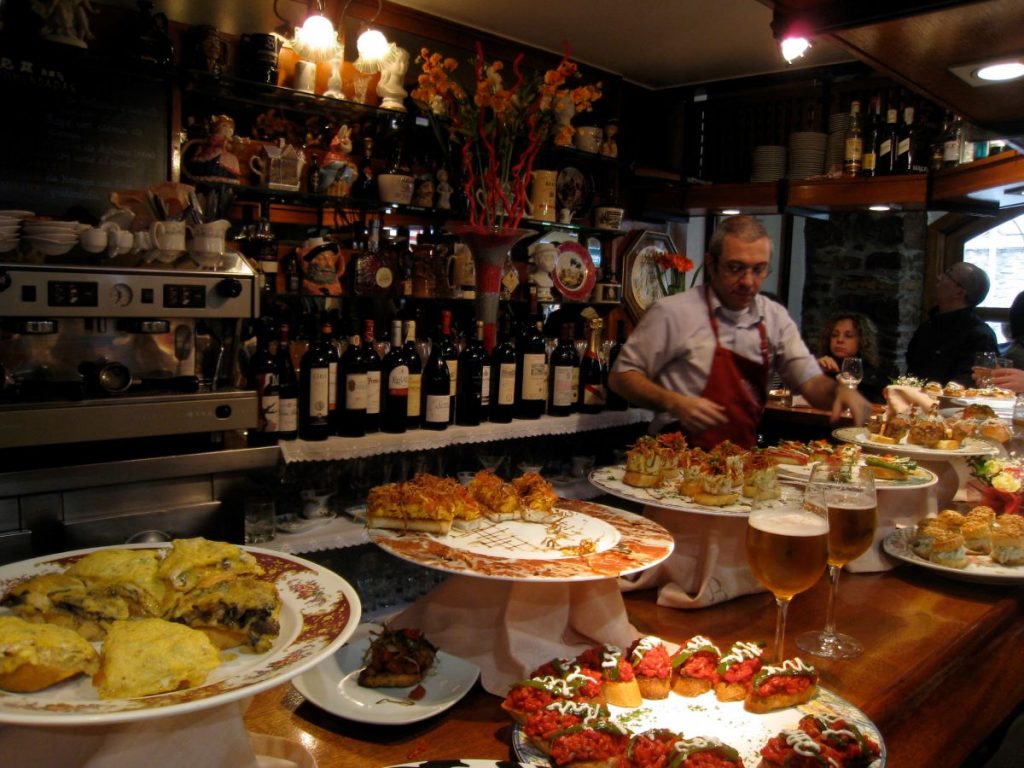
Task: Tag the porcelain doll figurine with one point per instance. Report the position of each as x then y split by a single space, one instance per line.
542 264
337 171
392 76
211 159
444 190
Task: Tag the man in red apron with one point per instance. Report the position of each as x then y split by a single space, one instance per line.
701 359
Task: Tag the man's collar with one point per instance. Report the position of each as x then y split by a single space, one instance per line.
750 315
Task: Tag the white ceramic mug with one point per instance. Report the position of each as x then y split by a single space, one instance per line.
119 241
608 217
168 236
93 240
543 204
142 241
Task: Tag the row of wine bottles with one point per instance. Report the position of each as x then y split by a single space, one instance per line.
359 392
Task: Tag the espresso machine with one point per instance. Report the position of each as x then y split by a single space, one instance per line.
91 353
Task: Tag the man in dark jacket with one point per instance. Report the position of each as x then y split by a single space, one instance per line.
943 347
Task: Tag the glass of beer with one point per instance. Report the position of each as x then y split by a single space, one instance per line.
848 494
787 545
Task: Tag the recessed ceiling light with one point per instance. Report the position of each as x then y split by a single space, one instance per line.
730 211
879 208
1007 70
985 73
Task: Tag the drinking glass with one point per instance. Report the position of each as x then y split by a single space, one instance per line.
984 362
848 494
852 372
787 546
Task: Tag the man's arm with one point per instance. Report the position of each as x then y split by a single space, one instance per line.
823 392
694 414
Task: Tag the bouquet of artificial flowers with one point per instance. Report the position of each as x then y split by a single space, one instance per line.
1000 482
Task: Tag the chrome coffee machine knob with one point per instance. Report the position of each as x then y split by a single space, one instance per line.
229 287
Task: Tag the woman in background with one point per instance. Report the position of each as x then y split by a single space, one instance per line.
850 334
1013 378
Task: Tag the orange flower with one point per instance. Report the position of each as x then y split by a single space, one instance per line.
675 261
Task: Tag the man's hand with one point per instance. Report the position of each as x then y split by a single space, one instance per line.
860 409
1008 378
696 414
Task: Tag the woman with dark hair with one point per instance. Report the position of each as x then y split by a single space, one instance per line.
1013 378
850 334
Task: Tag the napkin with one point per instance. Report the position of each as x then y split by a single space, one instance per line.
708 565
900 398
509 628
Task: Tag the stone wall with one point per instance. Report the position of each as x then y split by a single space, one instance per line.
872 263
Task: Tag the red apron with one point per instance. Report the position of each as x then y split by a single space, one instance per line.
739 386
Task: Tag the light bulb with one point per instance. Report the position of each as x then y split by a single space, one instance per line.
1007 70
794 47
372 45
317 33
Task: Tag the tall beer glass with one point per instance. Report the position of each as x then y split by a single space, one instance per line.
848 494
787 544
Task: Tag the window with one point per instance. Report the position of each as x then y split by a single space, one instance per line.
999 251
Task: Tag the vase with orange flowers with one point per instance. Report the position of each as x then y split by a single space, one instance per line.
672 269
498 128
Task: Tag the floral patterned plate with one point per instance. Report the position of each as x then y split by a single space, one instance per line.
980 568
969 447
319 611
587 542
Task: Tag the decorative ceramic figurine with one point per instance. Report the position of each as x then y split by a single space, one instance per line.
211 159
392 76
337 171
65 21
444 190
542 264
334 82
423 194
609 147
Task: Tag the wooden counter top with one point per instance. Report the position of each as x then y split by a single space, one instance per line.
941 671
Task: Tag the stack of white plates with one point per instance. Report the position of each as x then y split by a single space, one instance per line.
838 122
10 229
806 154
50 237
769 163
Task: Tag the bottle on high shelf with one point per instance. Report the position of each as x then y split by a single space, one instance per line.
473 394
288 387
888 143
450 354
503 375
314 390
330 349
564 365
854 147
263 377
904 161
437 386
615 401
531 371
873 131
394 384
414 410
592 373
375 273
353 387
372 362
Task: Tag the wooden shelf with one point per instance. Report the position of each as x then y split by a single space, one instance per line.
909 193
984 186
756 197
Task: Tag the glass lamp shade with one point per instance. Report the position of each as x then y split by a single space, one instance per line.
372 47
316 39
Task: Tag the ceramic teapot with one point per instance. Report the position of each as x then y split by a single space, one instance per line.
279 166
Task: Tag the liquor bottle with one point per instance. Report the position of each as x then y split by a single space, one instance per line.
531 372
889 141
905 160
414 411
854 142
437 388
263 377
372 362
503 375
451 356
473 394
592 375
952 136
394 384
564 366
314 390
353 390
330 350
288 388
872 138
615 401
374 273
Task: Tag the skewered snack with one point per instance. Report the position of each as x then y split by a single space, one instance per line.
36 656
397 658
779 686
651 666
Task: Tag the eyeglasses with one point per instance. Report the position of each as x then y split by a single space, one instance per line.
734 270
948 275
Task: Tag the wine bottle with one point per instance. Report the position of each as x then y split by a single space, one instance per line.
592 394
437 389
854 148
904 160
288 388
414 410
373 378
503 376
473 393
564 370
613 400
531 372
889 141
395 384
314 390
353 387
872 139
451 356
330 347
263 377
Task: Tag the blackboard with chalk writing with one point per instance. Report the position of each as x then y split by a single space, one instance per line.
75 129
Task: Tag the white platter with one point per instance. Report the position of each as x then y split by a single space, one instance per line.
333 686
980 568
609 480
319 612
727 721
920 478
461 763
969 447
587 542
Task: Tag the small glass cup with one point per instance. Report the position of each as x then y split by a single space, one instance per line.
984 362
260 520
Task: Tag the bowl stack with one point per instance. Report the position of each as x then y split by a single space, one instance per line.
806 154
838 123
10 229
769 163
49 237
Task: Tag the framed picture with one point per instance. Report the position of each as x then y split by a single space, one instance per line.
641 286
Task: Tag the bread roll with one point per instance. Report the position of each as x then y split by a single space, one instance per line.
36 656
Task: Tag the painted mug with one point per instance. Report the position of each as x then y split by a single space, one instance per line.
542 204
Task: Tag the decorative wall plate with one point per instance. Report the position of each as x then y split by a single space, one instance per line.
575 274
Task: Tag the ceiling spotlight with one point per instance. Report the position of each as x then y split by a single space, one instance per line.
793 48
730 211
1006 70
987 73
879 208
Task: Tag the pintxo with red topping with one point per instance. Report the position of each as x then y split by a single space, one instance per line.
736 670
695 666
784 685
651 666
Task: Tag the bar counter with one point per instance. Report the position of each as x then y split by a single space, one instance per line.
941 671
